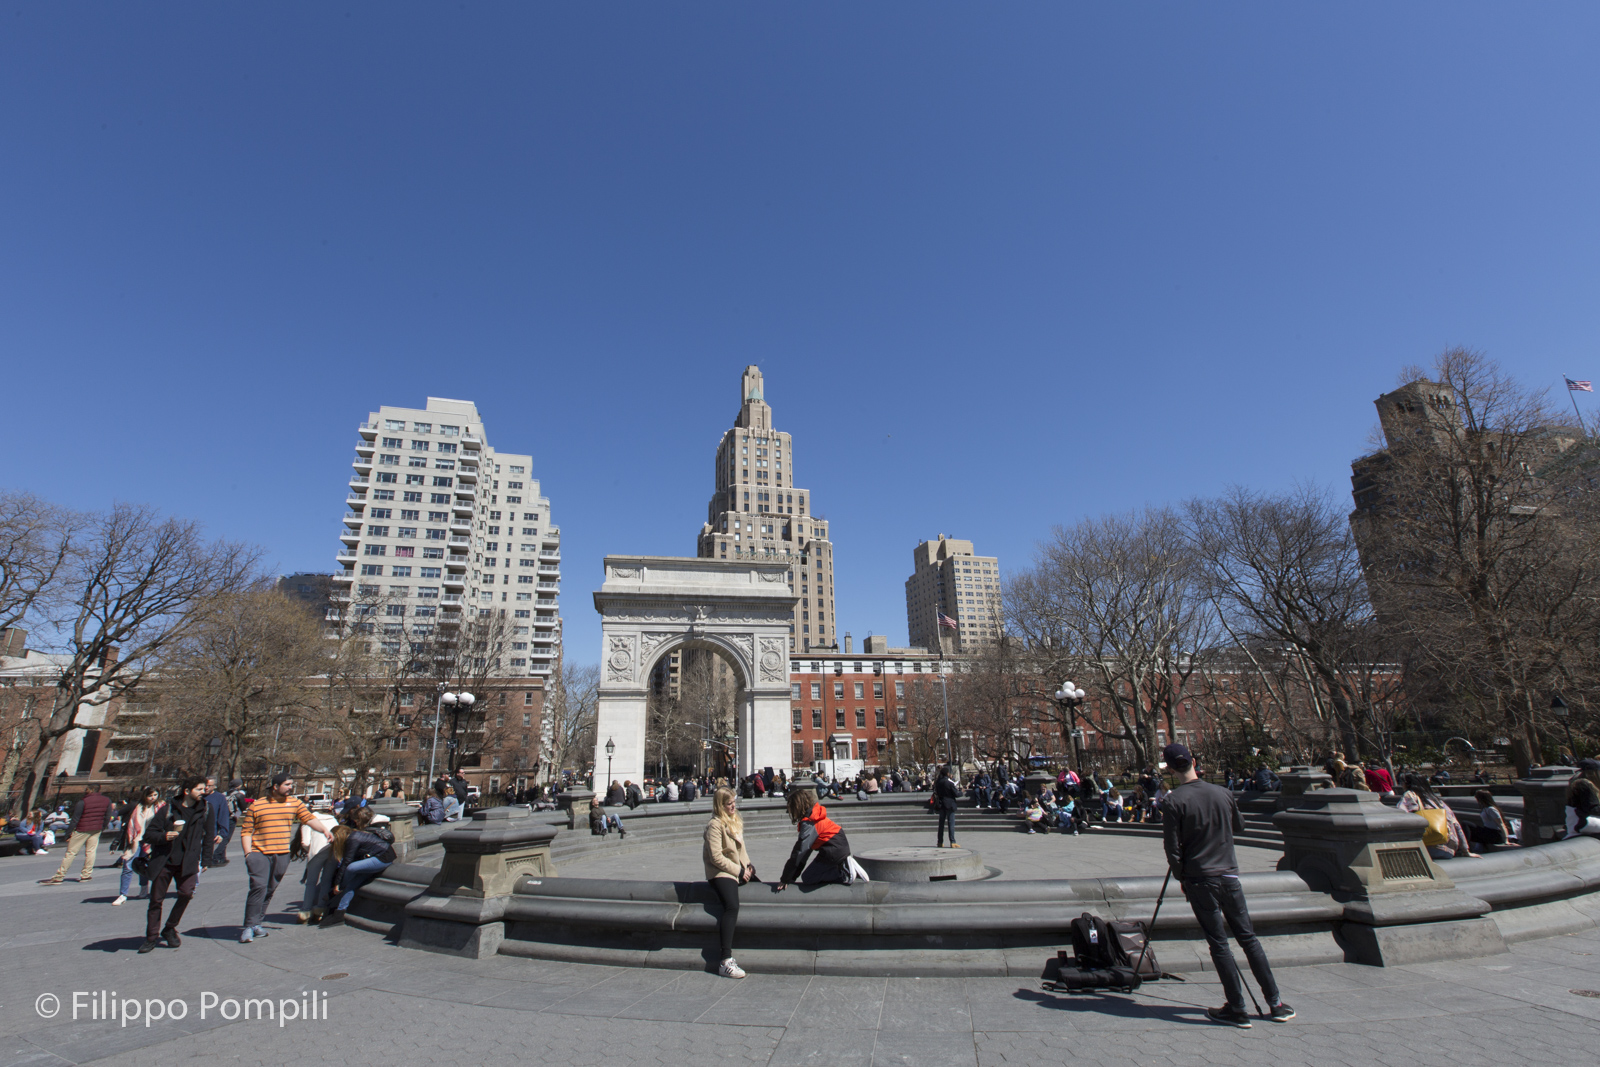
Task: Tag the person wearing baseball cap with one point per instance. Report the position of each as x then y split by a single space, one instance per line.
1198 823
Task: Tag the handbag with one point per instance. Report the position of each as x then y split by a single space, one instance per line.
1438 831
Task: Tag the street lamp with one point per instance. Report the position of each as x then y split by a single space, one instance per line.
611 746
1071 698
446 700
1558 708
213 747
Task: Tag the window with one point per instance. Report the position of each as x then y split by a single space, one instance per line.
816 718
376 550
838 718
794 691
795 715
428 592
861 751
414 479
401 572
421 427
387 478
877 690
433 553
899 690
383 494
445 447
838 690
372 568
437 498
860 686
861 716
436 535
408 531
816 689
818 750
878 717
900 716
419 446
450 431
513 500
444 483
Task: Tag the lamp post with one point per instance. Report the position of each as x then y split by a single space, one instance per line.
1558 708
213 747
450 700
946 694
611 746
1071 698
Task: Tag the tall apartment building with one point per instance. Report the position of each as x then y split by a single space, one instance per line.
441 523
948 579
757 512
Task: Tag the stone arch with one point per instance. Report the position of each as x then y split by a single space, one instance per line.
650 605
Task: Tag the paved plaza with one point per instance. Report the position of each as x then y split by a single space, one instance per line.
397 1007
1012 854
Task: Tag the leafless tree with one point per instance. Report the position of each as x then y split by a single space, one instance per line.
572 696
1114 601
1284 576
1477 530
37 540
130 592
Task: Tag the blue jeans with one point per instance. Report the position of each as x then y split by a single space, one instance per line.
127 876
357 875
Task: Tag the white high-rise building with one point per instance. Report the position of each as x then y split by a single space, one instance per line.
441 523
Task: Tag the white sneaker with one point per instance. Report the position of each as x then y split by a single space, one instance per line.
120 900
730 969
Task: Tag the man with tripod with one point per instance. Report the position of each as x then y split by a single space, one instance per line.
1199 821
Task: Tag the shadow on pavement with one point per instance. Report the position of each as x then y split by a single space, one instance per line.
114 944
1116 1006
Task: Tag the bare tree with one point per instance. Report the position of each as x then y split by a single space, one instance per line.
1477 532
572 696
1114 601
250 659
130 592
1284 574
37 540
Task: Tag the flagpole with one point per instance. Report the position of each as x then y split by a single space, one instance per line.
1572 396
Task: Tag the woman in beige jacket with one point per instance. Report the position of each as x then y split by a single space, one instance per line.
728 867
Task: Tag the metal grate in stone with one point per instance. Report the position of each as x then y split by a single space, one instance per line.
1401 863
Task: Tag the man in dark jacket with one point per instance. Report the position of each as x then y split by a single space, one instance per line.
180 835
89 817
461 792
1198 824
945 796
634 795
221 823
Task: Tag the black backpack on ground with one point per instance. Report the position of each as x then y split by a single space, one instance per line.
1105 955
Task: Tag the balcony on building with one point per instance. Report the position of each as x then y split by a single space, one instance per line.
471 439
367 431
467 477
461 539
458 560
468 491
353 519
463 507
363 466
350 536
451 600
365 447
459 581
356 500
359 479
345 556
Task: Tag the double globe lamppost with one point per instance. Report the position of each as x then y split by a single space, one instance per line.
1071 697
446 700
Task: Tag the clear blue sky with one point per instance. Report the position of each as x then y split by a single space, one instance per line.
1003 265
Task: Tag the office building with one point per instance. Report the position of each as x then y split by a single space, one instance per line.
947 579
758 512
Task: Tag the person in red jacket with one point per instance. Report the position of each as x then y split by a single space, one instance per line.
821 835
90 816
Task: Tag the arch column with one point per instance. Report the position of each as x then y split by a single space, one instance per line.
650 605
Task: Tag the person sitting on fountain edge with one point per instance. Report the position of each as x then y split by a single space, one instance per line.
821 835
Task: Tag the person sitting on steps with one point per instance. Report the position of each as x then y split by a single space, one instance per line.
601 821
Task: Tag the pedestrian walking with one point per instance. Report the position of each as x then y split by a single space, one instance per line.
179 833
265 834
727 867
945 795
89 818
221 821
135 857
1198 828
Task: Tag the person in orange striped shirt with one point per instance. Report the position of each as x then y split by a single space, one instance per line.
265 831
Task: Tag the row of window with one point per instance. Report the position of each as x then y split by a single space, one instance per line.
408 516
376 570
388 478
411 497
878 717
406 531
820 750
838 690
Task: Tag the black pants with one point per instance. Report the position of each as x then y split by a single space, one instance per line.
165 878
727 890
1218 903
947 819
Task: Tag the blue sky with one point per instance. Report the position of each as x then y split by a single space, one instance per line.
1003 266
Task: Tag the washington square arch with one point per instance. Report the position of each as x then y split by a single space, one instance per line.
652 605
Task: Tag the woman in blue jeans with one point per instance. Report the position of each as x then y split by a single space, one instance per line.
368 851
138 819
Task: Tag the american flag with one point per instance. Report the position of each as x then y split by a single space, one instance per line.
947 621
1579 387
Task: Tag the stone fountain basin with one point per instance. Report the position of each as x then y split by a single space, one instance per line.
922 863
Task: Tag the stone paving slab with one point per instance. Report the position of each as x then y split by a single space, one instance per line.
397 1007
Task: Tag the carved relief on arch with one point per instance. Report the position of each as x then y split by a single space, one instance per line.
652 639
746 643
620 658
774 663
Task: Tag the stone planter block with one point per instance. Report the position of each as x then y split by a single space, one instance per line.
1296 782
1544 804
485 857
1348 841
402 823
